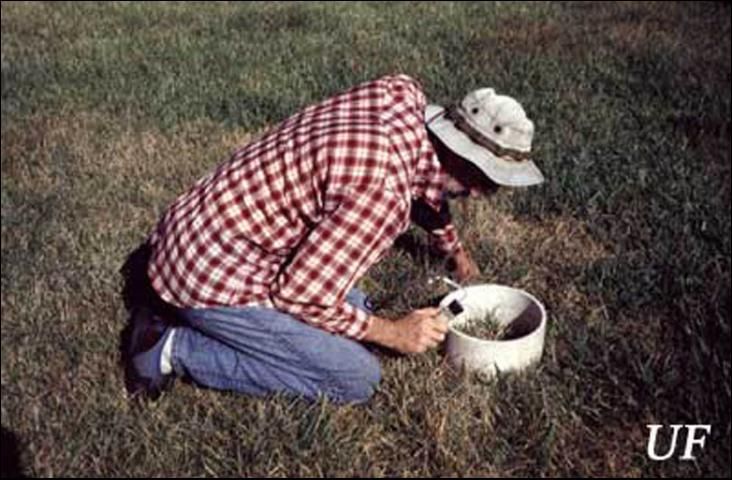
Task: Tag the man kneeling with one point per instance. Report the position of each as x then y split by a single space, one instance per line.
259 258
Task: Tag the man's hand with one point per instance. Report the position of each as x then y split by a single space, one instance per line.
415 333
465 267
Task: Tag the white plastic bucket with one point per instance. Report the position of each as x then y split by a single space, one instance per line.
516 310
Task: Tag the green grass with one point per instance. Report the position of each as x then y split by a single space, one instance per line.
111 110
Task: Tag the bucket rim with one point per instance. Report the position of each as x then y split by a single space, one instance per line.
542 323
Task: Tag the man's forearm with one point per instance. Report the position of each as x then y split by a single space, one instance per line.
380 331
414 333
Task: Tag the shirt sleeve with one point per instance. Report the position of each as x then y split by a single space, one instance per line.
335 254
438 224
446 240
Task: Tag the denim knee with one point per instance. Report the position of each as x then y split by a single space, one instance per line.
361 384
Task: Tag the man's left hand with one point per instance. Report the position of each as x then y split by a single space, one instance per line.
465 267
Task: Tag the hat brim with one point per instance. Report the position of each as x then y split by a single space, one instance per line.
503 172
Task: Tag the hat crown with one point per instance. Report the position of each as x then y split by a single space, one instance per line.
500 118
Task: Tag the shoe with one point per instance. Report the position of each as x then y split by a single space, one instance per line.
145 347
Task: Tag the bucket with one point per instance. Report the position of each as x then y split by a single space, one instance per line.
518 313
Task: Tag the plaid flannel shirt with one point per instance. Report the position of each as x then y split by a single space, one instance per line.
294 219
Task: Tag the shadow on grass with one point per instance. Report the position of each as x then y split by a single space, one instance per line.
140 299
417 249
11 466
420 253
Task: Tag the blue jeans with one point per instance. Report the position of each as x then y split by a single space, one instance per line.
259 351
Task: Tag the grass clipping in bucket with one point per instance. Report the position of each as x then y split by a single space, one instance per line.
485 328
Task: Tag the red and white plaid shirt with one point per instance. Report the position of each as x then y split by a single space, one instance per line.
294 219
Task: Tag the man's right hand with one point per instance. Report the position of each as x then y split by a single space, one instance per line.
416 332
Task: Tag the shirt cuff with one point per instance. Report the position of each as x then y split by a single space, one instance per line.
446 240
355 322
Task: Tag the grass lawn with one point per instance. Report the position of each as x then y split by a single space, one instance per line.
110 110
